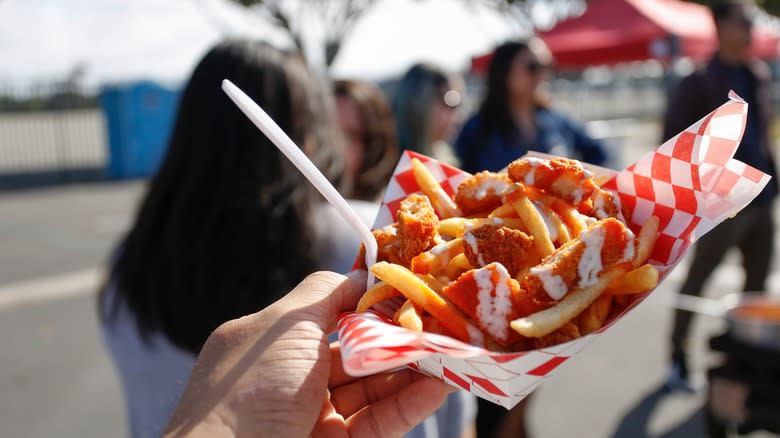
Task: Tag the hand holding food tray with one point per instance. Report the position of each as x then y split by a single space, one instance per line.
424 313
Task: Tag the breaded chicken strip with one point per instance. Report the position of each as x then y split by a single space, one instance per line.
481 193
495 243
417 227
568 180
487 295
578 264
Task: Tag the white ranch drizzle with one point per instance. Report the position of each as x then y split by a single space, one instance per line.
588 174
590 265
390 229
530 177
630 251
585 218
472 242
578 194
598 205
552 284
443 251
494 300
475 336
488 185
439 249
551 228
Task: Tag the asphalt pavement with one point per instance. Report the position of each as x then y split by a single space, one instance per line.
57 380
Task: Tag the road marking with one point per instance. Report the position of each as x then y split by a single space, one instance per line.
69 285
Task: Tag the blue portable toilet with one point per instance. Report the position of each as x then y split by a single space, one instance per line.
139 119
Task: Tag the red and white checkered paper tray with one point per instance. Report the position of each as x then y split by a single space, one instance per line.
690 182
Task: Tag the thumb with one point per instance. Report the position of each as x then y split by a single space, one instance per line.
322 296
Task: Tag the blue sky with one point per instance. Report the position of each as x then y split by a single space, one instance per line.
162 39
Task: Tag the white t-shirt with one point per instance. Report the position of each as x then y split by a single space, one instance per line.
154 375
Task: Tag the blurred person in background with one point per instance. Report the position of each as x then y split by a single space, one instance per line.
752 230
368 126
227 226
425 104
515 115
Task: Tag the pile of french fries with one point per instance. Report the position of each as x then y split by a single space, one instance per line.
435 277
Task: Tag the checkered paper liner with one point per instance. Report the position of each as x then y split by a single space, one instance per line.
690 182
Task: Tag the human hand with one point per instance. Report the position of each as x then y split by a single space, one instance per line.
273 373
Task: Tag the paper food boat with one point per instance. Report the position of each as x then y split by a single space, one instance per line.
690 182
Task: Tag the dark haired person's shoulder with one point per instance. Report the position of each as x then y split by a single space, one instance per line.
473 122
468 133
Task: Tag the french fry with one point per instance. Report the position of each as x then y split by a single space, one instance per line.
593 317
641 279
437 258
460 261
646 240
408 317
557 223
433 282
505 210
547 321
458 265
441 201
375 294
417 291
532 220
565 211
457 226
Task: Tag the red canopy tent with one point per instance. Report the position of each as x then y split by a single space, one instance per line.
615 31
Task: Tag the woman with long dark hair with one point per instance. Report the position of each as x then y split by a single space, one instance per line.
227 226
515 116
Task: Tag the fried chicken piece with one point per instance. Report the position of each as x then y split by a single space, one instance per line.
568 180
578 264
417 227
567 332
495 243
487 295
387 244
562 177
481 193
603 204
387 247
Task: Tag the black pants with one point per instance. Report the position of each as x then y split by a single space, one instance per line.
752 231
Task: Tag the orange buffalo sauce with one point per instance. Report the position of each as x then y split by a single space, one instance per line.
764 310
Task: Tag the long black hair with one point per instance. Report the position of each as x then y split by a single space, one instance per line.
226 226
495 112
